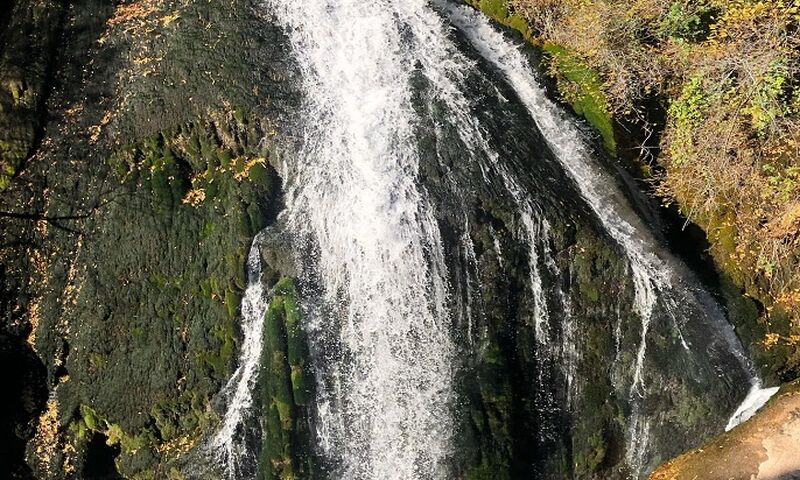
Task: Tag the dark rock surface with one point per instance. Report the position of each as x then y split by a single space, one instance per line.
141 171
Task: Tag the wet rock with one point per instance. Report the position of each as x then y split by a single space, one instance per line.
763 448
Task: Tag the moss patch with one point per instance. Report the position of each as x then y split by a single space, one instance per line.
502 12
286 390
582 87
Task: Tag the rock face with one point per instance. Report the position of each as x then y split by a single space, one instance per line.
30 36
763 448
647 75
137 145
763 320
124 234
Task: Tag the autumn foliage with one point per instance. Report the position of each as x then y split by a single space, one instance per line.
726 73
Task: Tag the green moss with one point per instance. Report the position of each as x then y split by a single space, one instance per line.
12 154
300 386
488 472
502 12
78 429
285 389
219 359
582 87
240 116
129 443
258 174
591 456
89 417
232 301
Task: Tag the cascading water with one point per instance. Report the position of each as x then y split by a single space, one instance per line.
373 256
649 272
470 263
756 398
229 444
654 276
384 326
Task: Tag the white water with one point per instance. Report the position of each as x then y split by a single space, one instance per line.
470 266
228 444
385 402
541 314
756 398
498 249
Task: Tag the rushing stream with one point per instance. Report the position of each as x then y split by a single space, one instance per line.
420 121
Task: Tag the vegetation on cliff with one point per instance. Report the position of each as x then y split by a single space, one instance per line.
164 323
711 90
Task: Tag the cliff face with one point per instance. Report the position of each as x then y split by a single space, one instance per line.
700 100
137 167
136 141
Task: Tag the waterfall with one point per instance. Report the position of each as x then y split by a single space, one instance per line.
756 398
229 444
648 271
654 276
378 305
383 326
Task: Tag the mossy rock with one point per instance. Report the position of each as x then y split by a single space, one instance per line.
502 12
582 88
286 389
